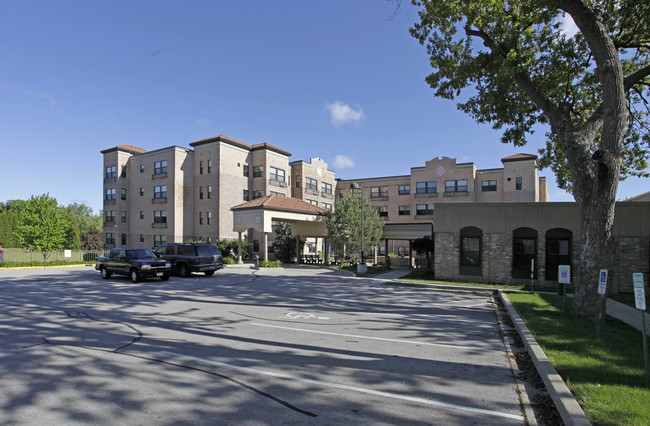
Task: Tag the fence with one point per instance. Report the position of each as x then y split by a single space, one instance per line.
72 256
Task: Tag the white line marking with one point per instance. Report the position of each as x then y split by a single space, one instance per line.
410 342
351 388
431 317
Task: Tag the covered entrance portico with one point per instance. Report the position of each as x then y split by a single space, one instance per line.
307 220
405 232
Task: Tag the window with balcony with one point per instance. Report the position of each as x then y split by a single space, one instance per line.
258 171
404 210
379 192
110 194
488 185
160 192
160 216
424 209
311 184
277 175
111 172
404 190
426 187
456 185
160 167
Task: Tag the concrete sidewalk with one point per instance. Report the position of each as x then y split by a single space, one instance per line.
628 315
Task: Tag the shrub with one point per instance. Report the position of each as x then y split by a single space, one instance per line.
228 260
270 264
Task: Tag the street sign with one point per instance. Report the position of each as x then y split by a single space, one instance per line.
564 274
639 291
602 282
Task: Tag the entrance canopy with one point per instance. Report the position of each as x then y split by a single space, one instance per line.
407 231
306 219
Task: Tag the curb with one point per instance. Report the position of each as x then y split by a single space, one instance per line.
565 402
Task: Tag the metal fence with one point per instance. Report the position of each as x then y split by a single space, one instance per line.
72 256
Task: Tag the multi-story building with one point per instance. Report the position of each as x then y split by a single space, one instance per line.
177 194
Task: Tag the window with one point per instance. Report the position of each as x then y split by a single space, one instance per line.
209 192
327 206
277 174
279 194
258 171
245 170
297 181
141 215
404 189
123 239
123 172
110 238
111 172
488 185
456 185
471 247
110 194
404 210
160 216
123 194
209 166
209 217
524 250
200 167
141 168
245 195
426 187
518 184
256 246
200 192
160 192
257 194
311 184
313 202
110 216
424 209
402 251
383 211
142 192
200 218
160 167
142 238
326 188
123 216
159 240
379 192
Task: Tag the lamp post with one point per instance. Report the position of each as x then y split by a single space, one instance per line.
361 268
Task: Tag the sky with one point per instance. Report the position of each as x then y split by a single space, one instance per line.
339 80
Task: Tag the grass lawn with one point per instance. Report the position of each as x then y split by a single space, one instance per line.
607 376
427 276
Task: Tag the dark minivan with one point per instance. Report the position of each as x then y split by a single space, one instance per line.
188 258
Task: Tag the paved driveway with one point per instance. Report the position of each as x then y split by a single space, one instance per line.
291 346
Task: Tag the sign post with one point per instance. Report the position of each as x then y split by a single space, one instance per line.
564 277
639 302
532 272
602 290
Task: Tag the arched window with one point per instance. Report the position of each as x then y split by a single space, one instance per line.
558 251
524 251
470 251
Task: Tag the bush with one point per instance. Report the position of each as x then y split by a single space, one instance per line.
270 264
228 260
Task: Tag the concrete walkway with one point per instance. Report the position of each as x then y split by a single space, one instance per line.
628 315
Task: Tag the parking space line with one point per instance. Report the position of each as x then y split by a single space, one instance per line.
424 316
351 388
383 339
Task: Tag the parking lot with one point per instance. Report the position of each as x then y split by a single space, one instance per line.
245 346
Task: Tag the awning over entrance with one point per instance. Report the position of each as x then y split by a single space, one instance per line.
407 231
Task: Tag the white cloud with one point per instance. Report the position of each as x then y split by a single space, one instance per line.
567 26
341 113
33 94
203 122
342 162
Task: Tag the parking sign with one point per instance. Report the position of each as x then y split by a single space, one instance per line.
602 282
564 274
639 291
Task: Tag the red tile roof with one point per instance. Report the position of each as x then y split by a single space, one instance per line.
128 148
274 202
519 157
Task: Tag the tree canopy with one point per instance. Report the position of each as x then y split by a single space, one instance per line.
43 226
590 87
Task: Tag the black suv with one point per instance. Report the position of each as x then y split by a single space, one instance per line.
188 258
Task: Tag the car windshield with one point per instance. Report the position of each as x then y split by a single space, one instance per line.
139 254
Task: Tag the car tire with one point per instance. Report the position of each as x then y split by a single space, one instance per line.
183 270
165 277
105 274
209 273
135 276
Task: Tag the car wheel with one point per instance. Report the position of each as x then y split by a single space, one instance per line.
183 270
135 277
209 273
165 277
105 274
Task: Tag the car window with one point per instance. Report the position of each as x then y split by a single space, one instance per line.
139 254
160 250
204 250
186 250
169 250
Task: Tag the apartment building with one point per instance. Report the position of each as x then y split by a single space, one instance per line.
177 194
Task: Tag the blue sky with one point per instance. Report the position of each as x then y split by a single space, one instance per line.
338 80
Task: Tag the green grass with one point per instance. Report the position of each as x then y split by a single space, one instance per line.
607 376
5 265
427 276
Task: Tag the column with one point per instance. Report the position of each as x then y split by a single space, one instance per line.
239 260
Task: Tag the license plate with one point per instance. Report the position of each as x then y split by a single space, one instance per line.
159 274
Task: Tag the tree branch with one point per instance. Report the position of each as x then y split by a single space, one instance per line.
634 78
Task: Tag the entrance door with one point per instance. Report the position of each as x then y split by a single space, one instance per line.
558 251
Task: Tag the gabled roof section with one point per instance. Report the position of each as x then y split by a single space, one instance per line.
274 202
519 157
235 142
128 148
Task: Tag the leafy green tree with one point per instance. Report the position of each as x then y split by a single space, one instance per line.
85 218
344 226
284 245
226 245
591 88
44 225
10 219
71 227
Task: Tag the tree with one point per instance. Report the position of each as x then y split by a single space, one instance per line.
344 226
44 225
591 88
91 240
284 244
10 219
71 240
85 218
